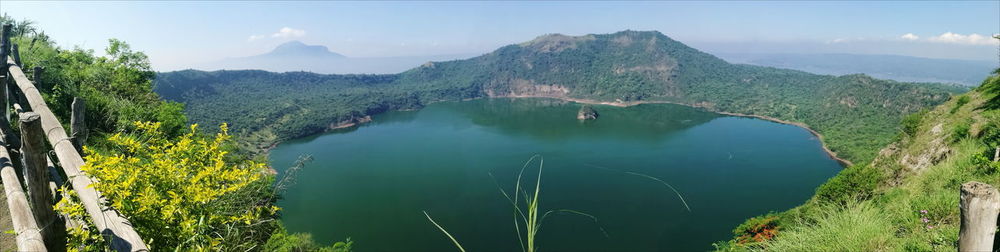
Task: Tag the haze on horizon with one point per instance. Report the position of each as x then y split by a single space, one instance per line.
177 35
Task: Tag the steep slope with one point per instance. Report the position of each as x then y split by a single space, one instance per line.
855 112
905 200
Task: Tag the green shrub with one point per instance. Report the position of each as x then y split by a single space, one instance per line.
961 131
911 122
962 100
983 163
989 132
757 230
855 183
282 241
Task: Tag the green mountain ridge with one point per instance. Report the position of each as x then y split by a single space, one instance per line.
855 113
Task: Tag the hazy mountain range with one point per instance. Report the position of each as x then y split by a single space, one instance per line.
297 56
893 67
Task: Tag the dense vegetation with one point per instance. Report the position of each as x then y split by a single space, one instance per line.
856 113
907 198
180 188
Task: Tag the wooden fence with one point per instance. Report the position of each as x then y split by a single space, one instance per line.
31 207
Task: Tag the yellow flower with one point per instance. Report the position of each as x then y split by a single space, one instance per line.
158 183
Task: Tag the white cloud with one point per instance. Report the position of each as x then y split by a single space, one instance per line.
284 32
255 37
909 36
971 39
288 32
846 40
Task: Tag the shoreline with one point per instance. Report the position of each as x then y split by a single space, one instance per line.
830 153
333 126
833 155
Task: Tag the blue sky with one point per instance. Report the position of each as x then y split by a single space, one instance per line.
176 34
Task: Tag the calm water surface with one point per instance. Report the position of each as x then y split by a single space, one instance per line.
371 183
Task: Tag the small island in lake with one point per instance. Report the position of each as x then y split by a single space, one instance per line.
586 113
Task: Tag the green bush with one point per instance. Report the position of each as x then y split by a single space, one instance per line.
989 132
962 100
855 183
282 241
757 230
961 131
911 123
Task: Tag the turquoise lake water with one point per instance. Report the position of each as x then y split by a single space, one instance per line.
373 182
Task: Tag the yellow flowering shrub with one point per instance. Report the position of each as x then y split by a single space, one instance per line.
167 187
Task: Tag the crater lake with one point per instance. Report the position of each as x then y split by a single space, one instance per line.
656 177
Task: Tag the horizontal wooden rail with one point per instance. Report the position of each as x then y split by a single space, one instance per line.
115 227
29 236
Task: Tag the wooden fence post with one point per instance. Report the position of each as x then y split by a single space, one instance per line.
14 53
36 176
78 125
980 205
4 34
37 76
9 136
5 43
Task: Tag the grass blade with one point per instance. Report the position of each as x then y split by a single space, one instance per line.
648 177
445 232
593 218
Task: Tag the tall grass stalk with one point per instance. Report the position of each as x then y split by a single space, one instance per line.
648 177
529 214
526 213
460 248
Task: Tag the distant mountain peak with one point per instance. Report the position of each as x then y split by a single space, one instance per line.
293 44
296 48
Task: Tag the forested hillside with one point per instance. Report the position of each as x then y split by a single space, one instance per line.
856 113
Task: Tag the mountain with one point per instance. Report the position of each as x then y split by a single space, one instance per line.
297 56
296 49
855 113
894 67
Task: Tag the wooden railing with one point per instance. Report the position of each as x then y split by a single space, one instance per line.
37 226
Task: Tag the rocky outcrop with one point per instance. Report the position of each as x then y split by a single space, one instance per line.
350 122
586 113
936 151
